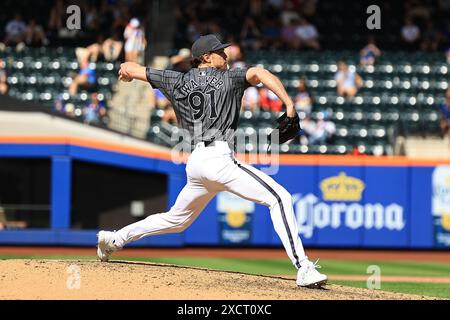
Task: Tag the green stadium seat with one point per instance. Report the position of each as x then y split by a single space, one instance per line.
401 91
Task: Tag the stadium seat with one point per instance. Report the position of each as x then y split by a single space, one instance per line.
401 92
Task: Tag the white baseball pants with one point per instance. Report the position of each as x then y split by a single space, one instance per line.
211 170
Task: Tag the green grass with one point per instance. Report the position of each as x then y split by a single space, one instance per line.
277 266
389 268
441 290
330 267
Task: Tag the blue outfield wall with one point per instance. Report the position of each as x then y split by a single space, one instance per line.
344 206
354 206
62 155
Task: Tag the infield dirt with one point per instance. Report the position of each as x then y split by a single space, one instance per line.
53 279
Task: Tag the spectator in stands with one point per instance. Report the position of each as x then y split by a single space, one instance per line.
308 127
158 100
347 82
309 7
303 100
135 41
444 121
2 219
250 100
15 31
319 135
91 52
121 14
446 34
317 132
448 56
181 61
211 27
169 116
276 4
112 47
3 78
269 101
193 30
233 52
85 79
369 53
444 6
58 104
35 35
271 33
431 38
95 111
57 14
57 22
323 120
109 49
289 12
417 9
250 35
356 152
255 7
91 19
289 35
308 35
410 34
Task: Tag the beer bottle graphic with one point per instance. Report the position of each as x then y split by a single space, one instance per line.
441 205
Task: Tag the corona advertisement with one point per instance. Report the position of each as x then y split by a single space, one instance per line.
341 205
234 218
441 206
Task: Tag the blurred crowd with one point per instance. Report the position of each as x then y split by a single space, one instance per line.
111 30
111 49
94 111
317 129
422 29
44 23
444 117
259 99
290 24
254 24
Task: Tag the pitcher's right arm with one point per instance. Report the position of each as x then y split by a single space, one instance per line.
131 70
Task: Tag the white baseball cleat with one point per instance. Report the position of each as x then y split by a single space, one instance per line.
308 276
105 245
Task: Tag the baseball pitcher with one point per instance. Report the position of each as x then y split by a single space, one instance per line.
207 102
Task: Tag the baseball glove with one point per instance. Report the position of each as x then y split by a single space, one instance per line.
288 128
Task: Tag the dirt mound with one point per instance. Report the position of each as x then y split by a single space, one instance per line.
53 279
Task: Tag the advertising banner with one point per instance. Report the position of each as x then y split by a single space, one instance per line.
441 206
235 218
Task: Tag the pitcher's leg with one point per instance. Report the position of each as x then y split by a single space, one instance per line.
190 202
254 185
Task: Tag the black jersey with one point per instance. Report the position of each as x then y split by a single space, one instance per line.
207 101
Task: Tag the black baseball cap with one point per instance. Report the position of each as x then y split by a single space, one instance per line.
206 44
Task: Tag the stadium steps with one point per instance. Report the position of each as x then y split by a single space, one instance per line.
427 148
129 111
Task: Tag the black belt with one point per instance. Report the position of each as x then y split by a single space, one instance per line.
209 143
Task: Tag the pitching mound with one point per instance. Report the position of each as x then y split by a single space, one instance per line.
52 279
